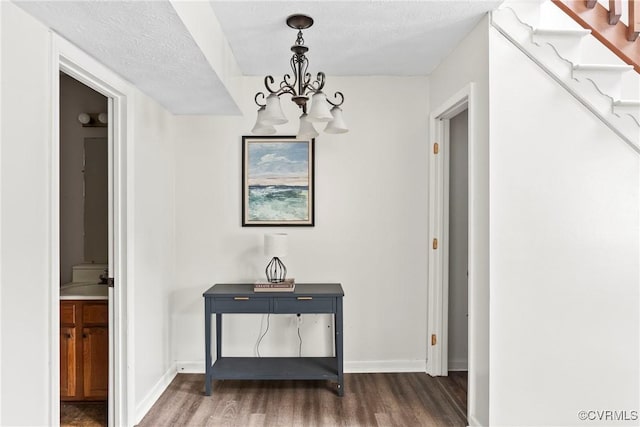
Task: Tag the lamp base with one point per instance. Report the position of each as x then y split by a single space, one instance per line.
276 271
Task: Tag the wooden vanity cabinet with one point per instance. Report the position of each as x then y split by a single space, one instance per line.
84 349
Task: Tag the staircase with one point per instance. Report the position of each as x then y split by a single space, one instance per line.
578 61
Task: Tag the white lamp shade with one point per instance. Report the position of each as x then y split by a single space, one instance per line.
103 118
261 128
319 111
275 245
337 125
306 131
273 114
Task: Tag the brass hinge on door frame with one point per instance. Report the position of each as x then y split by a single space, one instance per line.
436 148
435 244
433 339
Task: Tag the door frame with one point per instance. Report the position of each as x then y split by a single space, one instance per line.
438 262
74 62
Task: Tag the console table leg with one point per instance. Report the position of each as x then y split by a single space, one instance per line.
207 346
339 349
218 336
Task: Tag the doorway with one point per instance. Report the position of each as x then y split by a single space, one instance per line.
458 245
75 63
84 254
451 343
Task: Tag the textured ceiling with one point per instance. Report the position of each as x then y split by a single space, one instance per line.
148 44
349 37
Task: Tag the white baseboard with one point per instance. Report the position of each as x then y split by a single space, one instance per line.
190 367
474 422
154 394
369 366
373 366
458 365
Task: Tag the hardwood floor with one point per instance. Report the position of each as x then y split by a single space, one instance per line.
399 399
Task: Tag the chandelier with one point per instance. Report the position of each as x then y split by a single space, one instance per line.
299 87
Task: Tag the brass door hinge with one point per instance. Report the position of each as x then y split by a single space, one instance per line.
435 243
436 148
433 339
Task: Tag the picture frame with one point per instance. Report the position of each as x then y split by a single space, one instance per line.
278 181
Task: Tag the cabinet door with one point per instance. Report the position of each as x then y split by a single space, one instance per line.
68 365
95 344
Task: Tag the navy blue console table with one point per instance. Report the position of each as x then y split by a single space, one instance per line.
240 298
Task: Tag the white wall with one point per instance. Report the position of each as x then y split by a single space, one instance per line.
75 98
370 231
25 232
154 254
468 63
565 245
458 337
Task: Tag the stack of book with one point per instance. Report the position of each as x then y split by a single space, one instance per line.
288 285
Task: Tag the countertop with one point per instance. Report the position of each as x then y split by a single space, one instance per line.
84 291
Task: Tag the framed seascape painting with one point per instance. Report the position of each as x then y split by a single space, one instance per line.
277 181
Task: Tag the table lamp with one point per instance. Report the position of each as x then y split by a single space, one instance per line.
275 246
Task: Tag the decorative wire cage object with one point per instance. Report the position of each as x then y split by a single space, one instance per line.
275 245
276 271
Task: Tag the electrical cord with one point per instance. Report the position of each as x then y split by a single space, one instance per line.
299 337
262 336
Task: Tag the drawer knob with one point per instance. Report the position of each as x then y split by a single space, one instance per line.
305 298
241 298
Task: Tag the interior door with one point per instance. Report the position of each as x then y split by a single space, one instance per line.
110 256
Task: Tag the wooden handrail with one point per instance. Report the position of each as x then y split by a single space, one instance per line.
621 39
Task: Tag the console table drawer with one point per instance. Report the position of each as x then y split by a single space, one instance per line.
241 304
304 304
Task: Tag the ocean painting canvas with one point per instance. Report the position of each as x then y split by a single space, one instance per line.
277 181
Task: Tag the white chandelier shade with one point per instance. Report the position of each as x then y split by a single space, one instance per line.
261 128
273 114
319 111
306 131
336 125
305 92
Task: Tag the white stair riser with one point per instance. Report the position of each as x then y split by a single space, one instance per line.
568 46
594 52
552 17
528 11
630 86
542 14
